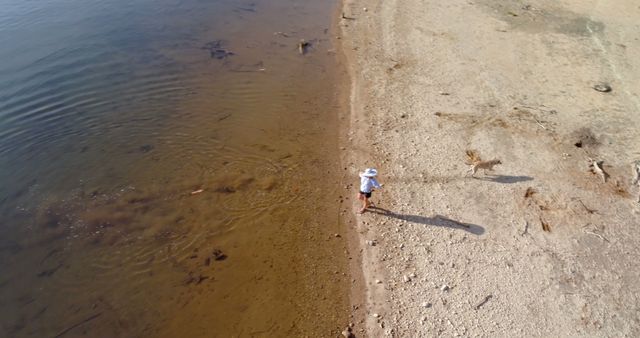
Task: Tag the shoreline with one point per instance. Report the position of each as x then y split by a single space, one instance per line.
347 219
365 298
540 246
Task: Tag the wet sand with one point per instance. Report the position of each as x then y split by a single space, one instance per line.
541 246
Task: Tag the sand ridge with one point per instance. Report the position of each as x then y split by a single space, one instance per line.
539 247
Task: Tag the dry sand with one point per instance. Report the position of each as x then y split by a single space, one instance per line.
462 256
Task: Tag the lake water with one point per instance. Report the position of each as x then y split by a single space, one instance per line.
169 168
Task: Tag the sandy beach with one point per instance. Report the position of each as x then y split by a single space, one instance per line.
543 245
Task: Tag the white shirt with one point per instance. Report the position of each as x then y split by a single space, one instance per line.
368 183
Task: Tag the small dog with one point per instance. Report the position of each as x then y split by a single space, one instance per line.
484 165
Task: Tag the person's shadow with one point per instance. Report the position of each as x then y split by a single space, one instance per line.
436 220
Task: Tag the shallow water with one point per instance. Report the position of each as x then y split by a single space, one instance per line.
112 113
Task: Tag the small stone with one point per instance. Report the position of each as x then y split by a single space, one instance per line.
602 87
426 305
406 279
375 315
347 332
378 281
365 9
444 287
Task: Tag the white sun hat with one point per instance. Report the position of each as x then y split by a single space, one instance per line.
369 172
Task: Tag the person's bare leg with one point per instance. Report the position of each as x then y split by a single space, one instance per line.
365 204
362 198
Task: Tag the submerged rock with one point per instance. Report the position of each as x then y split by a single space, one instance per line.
216 50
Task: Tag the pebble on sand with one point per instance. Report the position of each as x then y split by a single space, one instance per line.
602 87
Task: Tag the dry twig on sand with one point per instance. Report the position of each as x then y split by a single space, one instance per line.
590 211
598 235
545 226
526 228
529 192
344 16
484 301
540 124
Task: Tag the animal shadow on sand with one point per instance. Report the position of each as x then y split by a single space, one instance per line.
436 220
505 179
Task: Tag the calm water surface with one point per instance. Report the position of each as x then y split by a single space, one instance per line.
113 113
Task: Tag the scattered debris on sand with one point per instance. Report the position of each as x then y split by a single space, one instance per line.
602 87
636 176
529 192
195 192
597 167
545 226
282 34
636 173
483 302
589 211
344 16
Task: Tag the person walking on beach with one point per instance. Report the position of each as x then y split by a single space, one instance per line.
367 183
